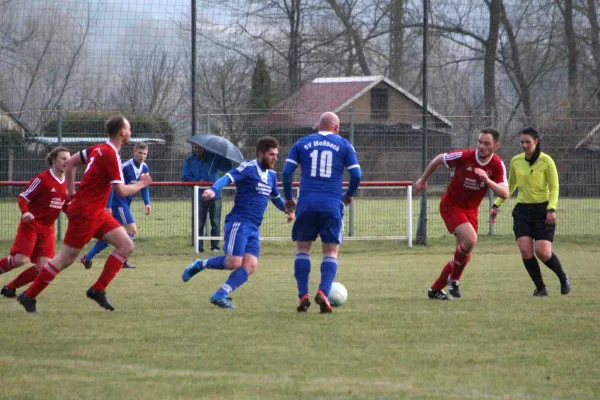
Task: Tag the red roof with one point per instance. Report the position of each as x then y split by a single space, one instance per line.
306 106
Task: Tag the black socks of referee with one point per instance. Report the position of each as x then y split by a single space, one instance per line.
533 268
554 264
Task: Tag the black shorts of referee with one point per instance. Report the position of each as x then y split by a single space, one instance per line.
530 220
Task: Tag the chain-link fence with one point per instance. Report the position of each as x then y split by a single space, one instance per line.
272 67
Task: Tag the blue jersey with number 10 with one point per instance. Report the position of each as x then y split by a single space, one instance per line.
322 157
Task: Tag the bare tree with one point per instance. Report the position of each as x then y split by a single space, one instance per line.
592 16
149 82
47 64
260 22
479 41
527 58
224 88
396 16
566 9
12 34
344 11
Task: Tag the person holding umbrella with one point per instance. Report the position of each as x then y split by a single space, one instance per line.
205 165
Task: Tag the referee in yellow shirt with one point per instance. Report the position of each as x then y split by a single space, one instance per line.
534 219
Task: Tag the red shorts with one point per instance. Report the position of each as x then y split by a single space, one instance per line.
34 240
454 216
81 230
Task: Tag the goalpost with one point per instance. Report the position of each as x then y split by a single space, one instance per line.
380 211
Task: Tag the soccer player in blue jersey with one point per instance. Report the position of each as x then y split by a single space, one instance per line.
255 182
322 157
120 206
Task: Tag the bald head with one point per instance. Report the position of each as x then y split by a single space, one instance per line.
329 122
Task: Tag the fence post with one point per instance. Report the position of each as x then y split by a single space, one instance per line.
193 66
208 112
422 227
490 194
59 139
351 206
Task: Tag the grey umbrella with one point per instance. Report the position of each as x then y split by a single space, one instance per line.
218 145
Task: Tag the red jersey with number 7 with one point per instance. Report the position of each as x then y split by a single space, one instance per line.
45 194
466 189
103 170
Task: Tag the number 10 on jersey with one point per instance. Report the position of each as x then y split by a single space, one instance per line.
321 164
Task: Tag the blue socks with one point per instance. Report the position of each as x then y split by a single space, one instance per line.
237 278
328 271
302 272
217 262
99 246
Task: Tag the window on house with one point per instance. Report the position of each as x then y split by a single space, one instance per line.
379 103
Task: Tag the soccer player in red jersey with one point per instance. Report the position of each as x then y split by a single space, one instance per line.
475 171
40 203
88 217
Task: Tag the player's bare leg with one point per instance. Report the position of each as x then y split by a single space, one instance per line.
66 256
301 273
123 247
466 239
24 278
131 230
8 264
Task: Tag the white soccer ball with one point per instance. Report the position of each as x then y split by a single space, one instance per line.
338 294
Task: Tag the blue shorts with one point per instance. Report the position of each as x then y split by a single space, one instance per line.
123 215
326 224
241 238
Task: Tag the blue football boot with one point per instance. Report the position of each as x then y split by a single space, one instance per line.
192 270
221 301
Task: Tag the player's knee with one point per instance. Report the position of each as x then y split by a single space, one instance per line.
303 247
526 254
462 255
469 243
125 248
233 262
20 259
251 268
330 250
543 254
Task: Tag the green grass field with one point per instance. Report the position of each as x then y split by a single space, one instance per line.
166 341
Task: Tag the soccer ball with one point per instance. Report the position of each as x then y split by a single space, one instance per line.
338 294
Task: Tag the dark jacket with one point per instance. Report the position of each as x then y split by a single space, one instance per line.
205 168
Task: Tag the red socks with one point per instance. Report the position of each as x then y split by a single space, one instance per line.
6 264
23 279
47 275
461 258
113 265
442 281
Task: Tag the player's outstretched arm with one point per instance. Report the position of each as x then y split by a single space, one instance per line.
421 183
123 190
217 186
